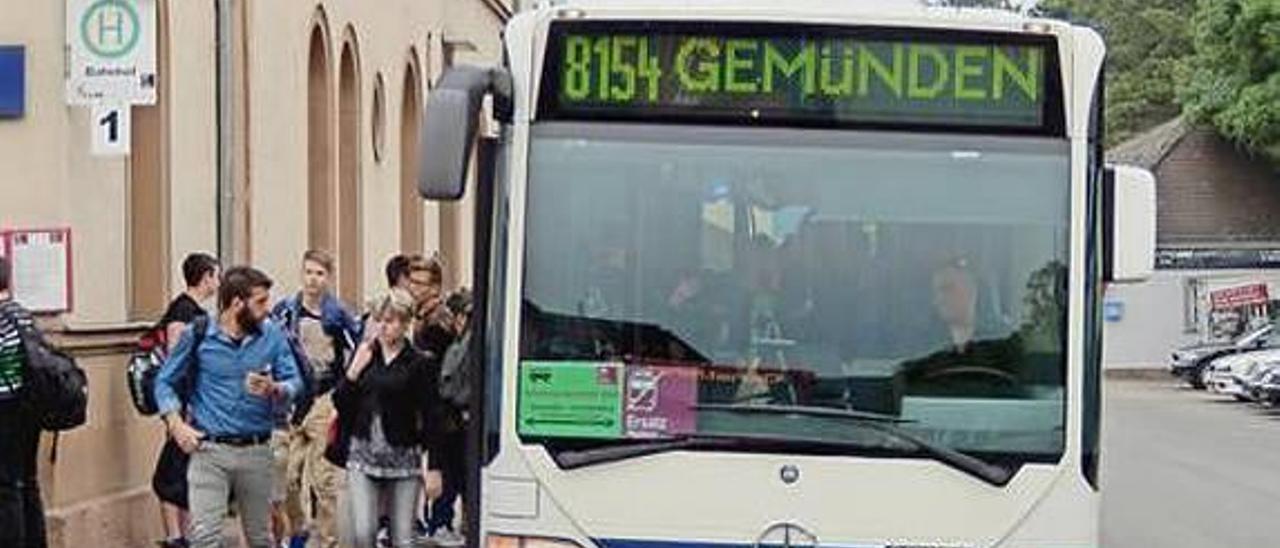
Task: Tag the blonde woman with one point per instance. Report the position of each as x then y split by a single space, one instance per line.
389 405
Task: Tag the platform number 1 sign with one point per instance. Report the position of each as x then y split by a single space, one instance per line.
111 130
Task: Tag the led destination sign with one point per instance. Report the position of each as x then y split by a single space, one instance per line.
823 75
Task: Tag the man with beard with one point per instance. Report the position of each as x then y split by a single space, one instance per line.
241 369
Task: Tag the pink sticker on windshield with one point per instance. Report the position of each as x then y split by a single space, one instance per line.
660 401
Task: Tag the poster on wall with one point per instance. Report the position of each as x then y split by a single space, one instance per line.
40 268
1238 308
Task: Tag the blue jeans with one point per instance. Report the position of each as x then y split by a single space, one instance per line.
401 496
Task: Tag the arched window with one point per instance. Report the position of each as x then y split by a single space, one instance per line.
411 214
350 221
149 191
321 191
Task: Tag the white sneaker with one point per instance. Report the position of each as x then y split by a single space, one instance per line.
446 538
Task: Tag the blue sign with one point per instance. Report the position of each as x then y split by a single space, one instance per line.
13 81
1113 311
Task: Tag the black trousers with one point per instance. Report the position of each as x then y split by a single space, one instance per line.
21 512
21 516
169 482
453 470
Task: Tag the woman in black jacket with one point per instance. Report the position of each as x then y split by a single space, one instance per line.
388 405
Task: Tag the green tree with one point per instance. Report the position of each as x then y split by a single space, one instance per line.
1148 42
1233 80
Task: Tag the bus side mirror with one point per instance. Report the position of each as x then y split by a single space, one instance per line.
1129 209
449 127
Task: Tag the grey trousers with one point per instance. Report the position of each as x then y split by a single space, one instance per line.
402 503
218 471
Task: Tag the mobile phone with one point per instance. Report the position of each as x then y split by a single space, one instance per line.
372 329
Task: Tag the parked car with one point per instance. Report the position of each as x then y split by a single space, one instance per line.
1270 388
1228 377
1190 363
1254 382
1229 373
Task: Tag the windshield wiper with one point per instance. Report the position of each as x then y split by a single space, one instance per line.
578 458
807 410
569 459
886 424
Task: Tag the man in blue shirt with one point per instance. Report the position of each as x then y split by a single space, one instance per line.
241 370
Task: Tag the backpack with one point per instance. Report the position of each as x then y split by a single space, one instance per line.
337 444
305 398
456 373
56 388
145 364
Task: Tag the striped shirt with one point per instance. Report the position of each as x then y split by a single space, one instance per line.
12 355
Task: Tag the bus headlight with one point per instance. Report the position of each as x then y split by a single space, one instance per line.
503 541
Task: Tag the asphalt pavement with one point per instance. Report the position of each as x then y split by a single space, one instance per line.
1187 469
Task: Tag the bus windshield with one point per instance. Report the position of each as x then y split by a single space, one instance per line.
689 281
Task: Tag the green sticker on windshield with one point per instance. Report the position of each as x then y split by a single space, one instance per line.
570 399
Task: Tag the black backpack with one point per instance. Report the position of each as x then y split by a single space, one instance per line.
56 389
305 399
456 373
145 364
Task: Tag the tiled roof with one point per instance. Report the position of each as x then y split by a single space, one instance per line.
1148 148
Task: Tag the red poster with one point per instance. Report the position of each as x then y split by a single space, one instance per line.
1244 295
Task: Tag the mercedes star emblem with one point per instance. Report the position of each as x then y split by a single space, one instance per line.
786 535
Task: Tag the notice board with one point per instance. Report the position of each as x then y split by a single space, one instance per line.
39 267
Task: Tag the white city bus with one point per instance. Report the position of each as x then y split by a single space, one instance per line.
803 273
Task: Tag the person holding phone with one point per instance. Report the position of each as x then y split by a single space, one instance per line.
242 369
389 402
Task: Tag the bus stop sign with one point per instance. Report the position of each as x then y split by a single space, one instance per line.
111 47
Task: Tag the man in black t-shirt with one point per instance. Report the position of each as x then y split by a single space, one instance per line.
200 272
